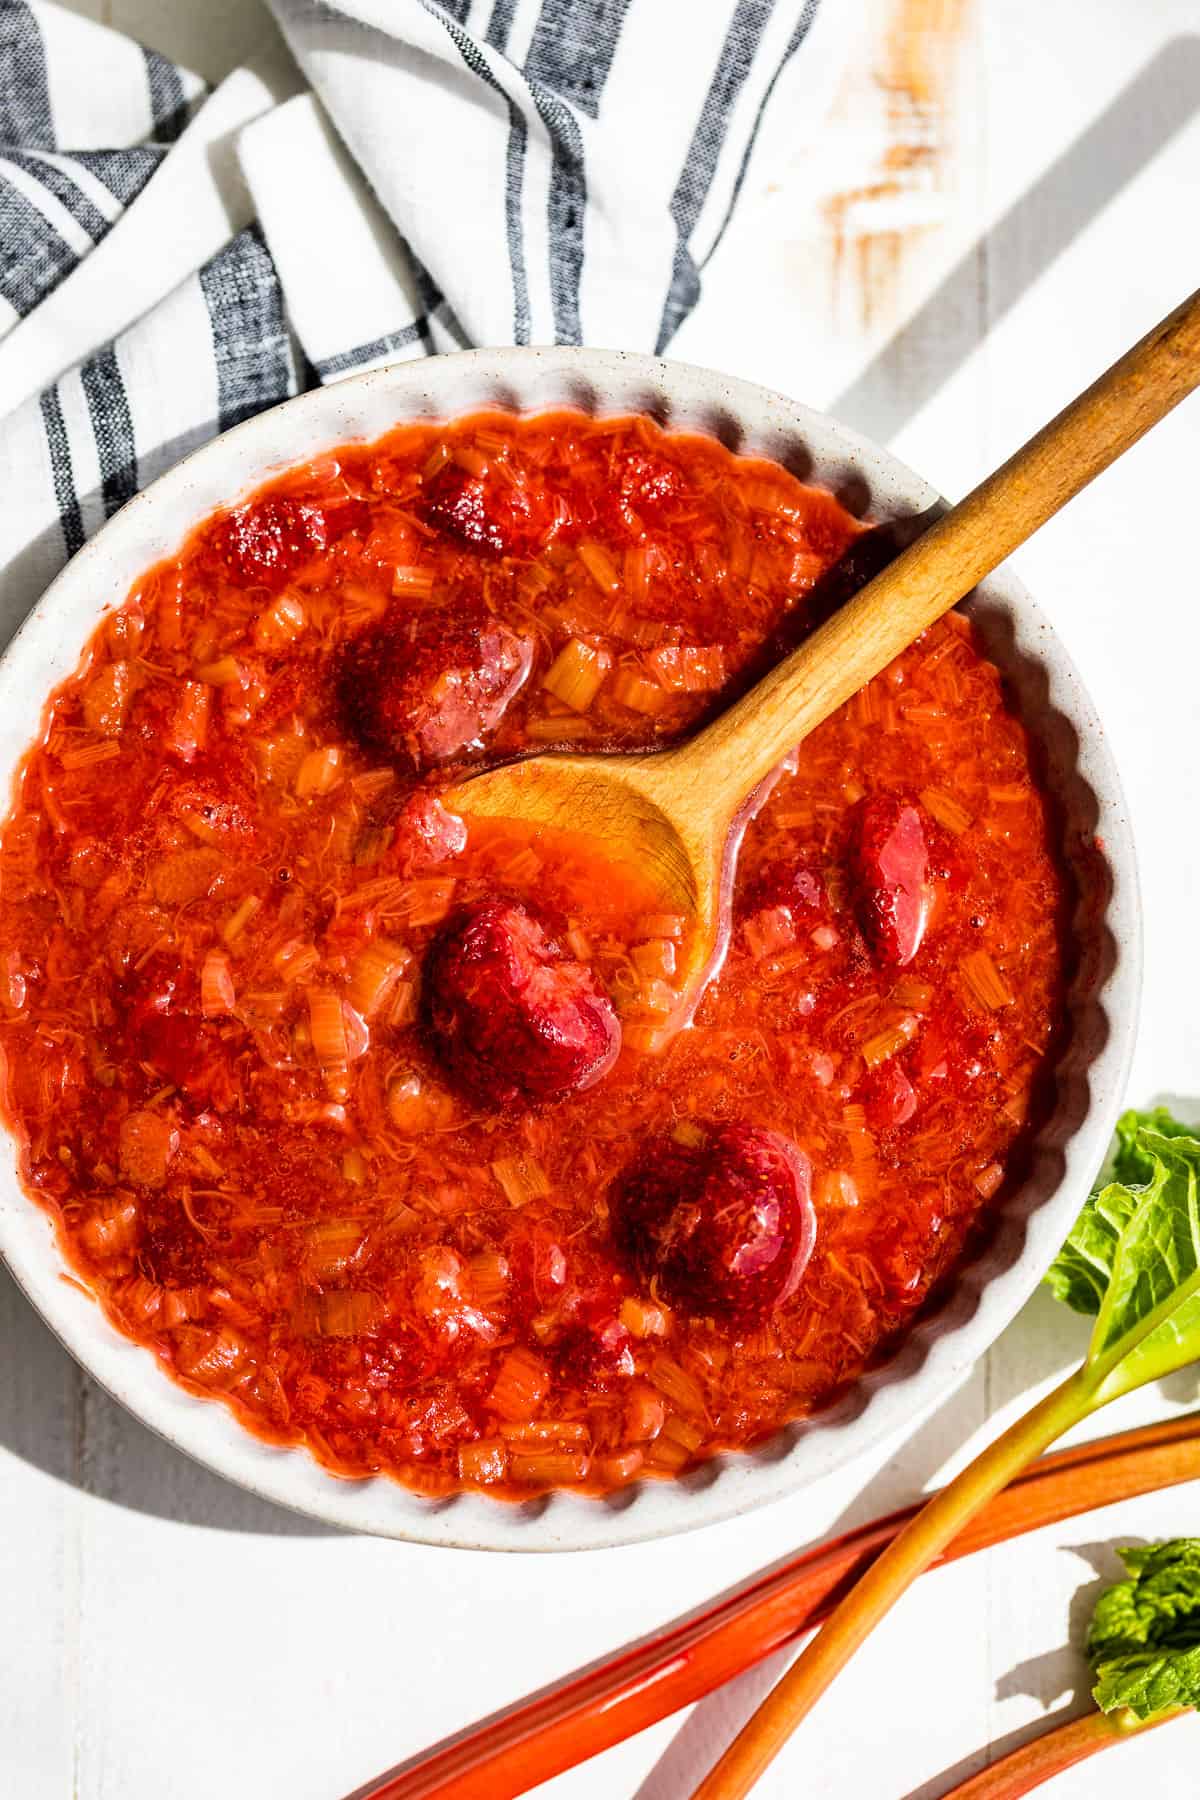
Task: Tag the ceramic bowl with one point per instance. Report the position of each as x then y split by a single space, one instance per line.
988 1290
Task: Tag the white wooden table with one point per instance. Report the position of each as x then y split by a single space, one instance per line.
166 1637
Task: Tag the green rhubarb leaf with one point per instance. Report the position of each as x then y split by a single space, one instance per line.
1144 1641
1133 1257
1131 1164
1082 1270
1080 1274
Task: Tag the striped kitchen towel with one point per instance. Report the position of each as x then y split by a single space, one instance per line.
413 177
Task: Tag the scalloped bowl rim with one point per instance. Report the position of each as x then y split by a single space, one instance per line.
990 1288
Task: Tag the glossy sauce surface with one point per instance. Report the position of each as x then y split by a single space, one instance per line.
281 1084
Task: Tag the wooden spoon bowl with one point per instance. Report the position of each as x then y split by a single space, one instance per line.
640 810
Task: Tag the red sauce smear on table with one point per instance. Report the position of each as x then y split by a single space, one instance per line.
366 1123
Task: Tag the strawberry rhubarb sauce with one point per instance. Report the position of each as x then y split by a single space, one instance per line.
365 1122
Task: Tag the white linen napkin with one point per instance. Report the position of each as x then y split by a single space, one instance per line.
470 172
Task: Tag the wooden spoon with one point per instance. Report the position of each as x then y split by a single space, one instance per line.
676 814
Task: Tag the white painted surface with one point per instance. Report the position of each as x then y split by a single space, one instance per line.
166 1636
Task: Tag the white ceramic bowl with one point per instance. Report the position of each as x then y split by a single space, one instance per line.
988 1291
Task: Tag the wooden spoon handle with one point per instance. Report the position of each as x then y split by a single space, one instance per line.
733 754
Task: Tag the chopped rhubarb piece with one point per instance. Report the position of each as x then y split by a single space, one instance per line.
214 800
148 1141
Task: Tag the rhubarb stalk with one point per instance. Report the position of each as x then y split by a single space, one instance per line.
1051 1754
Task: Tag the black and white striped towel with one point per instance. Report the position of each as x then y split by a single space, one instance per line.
469 172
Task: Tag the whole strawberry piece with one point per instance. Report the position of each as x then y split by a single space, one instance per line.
489 514
425 687
264 543
725 1227
514 1020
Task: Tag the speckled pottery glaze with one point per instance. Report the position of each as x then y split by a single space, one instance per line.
1078 769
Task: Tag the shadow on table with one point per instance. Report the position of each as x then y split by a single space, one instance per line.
1061 1674
1042 223
1063 1670
55 1417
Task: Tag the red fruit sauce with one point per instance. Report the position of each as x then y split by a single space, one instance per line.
364 1121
